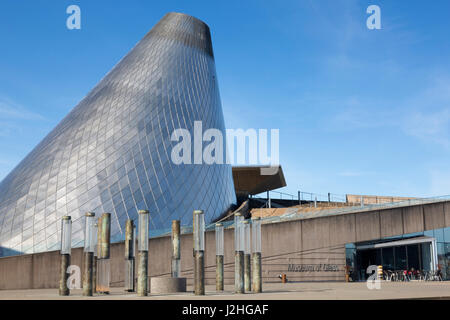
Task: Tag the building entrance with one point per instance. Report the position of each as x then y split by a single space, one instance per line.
415 256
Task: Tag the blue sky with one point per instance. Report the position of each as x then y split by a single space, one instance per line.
359 111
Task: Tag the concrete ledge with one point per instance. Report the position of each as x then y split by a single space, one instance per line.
167 285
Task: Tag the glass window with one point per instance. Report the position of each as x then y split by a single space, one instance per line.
413 257
439 235
400 258
425 249
447 234
388 258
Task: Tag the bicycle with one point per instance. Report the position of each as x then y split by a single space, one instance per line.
404 276
436 275
420 276
391 275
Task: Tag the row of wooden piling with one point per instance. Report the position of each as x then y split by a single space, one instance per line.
96 268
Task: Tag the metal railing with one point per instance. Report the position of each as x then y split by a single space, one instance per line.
302 196
296 213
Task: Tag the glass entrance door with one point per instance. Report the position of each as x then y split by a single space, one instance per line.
409 257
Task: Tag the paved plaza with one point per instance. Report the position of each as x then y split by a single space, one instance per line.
272 291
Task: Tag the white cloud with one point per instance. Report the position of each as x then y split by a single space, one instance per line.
356 114
355 173
6 129
424 115
439 182
10 110
433 127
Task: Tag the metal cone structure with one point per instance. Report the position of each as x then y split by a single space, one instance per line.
112 152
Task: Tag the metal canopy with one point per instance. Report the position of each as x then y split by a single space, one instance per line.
396 243
248 180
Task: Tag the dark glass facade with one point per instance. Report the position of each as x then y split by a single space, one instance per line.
422 255
112 152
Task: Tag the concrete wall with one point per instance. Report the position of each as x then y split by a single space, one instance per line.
306 250
355 198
